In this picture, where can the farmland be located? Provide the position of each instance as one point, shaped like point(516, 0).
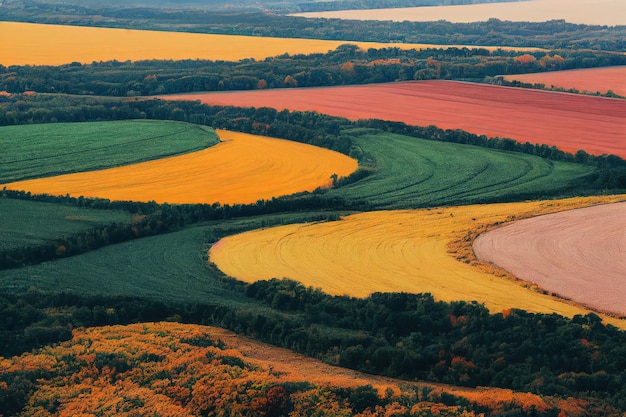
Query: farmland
point(242, 168)
point(44, 150)
point(611, 12)
point(591, 80)
point(37, 44)
point(411, 172)
point(392, 251)
point(570, 122)
point(569, 253)
point(25, 223)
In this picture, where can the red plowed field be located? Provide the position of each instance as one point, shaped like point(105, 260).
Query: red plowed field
point(568, 121)
point(578, 254)
point(589, 79)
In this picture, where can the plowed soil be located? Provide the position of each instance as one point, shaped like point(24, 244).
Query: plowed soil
point(578, 254)
point(568, 121)
point(589, 79)
point(393, 251)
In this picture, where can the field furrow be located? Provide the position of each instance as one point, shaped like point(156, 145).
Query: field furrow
point(393, 251)
point(243, 168)
point(578, 254)
point(569, 121)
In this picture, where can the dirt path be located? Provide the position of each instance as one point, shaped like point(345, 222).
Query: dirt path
point(578, 254)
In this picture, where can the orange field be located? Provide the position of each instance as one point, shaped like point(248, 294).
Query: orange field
point(568, 121)
point(243, 168)
point(590, 12)
point(36, 44)
point(590, 80)
point(414, 251)
point(568, 253)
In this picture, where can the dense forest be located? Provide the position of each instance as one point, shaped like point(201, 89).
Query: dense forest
point(556, 34)
point(400, 335)
point(345, 65)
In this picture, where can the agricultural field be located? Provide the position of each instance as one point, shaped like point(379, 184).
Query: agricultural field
point(568, 121)
point(589, 12)
point(412, 251)
point(411, 172)
point(26, 223)
point(44, 150)
point(569, 253)
point(592, 80)
point(242, 168)
point(169, 267)
point(38, 44)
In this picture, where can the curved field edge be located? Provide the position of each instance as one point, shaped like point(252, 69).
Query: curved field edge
point(570, 122)
point(408, 172)
point(182, 369)
point(577, 254)
point(242, 168)
point(416, 251)
point(49, 149)
point(40, 44)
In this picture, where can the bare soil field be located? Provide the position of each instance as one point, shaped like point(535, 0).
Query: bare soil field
point(414, 251)
point(38, 44)
point(243, 168)
point(589, 12)
point(578, 254)
point(568, 121)
point(591, 80)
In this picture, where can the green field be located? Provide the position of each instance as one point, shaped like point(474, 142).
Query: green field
point(27, 223)
point(411, 172)
point(42, 150)
point(169, 267)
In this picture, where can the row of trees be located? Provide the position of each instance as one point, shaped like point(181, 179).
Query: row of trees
point(397, 334)
point(345, 65)
point(555, 34)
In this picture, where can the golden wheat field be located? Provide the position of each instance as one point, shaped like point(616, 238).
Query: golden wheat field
point(413, 251)
point(38, 44)
point(242, 168)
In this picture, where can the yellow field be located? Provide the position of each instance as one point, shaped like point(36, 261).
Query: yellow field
point(37, 44)
point(243, 168)
point(412, 251)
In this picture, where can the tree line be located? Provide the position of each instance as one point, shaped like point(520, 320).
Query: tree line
point(555, 34)
point(345, 65)
point(395, 334)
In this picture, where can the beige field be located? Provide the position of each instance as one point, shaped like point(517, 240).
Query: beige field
point(415, 251)
point(569, 253)
point(590, 12)
point(37, 44)
point(243, 168)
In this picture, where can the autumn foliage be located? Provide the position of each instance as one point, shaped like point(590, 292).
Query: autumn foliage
point(171, 369)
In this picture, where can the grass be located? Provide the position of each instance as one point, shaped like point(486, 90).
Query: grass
point(26, 223)
point(43, 150)
point(242, 168)
point(169, 267)
point(413, 172)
